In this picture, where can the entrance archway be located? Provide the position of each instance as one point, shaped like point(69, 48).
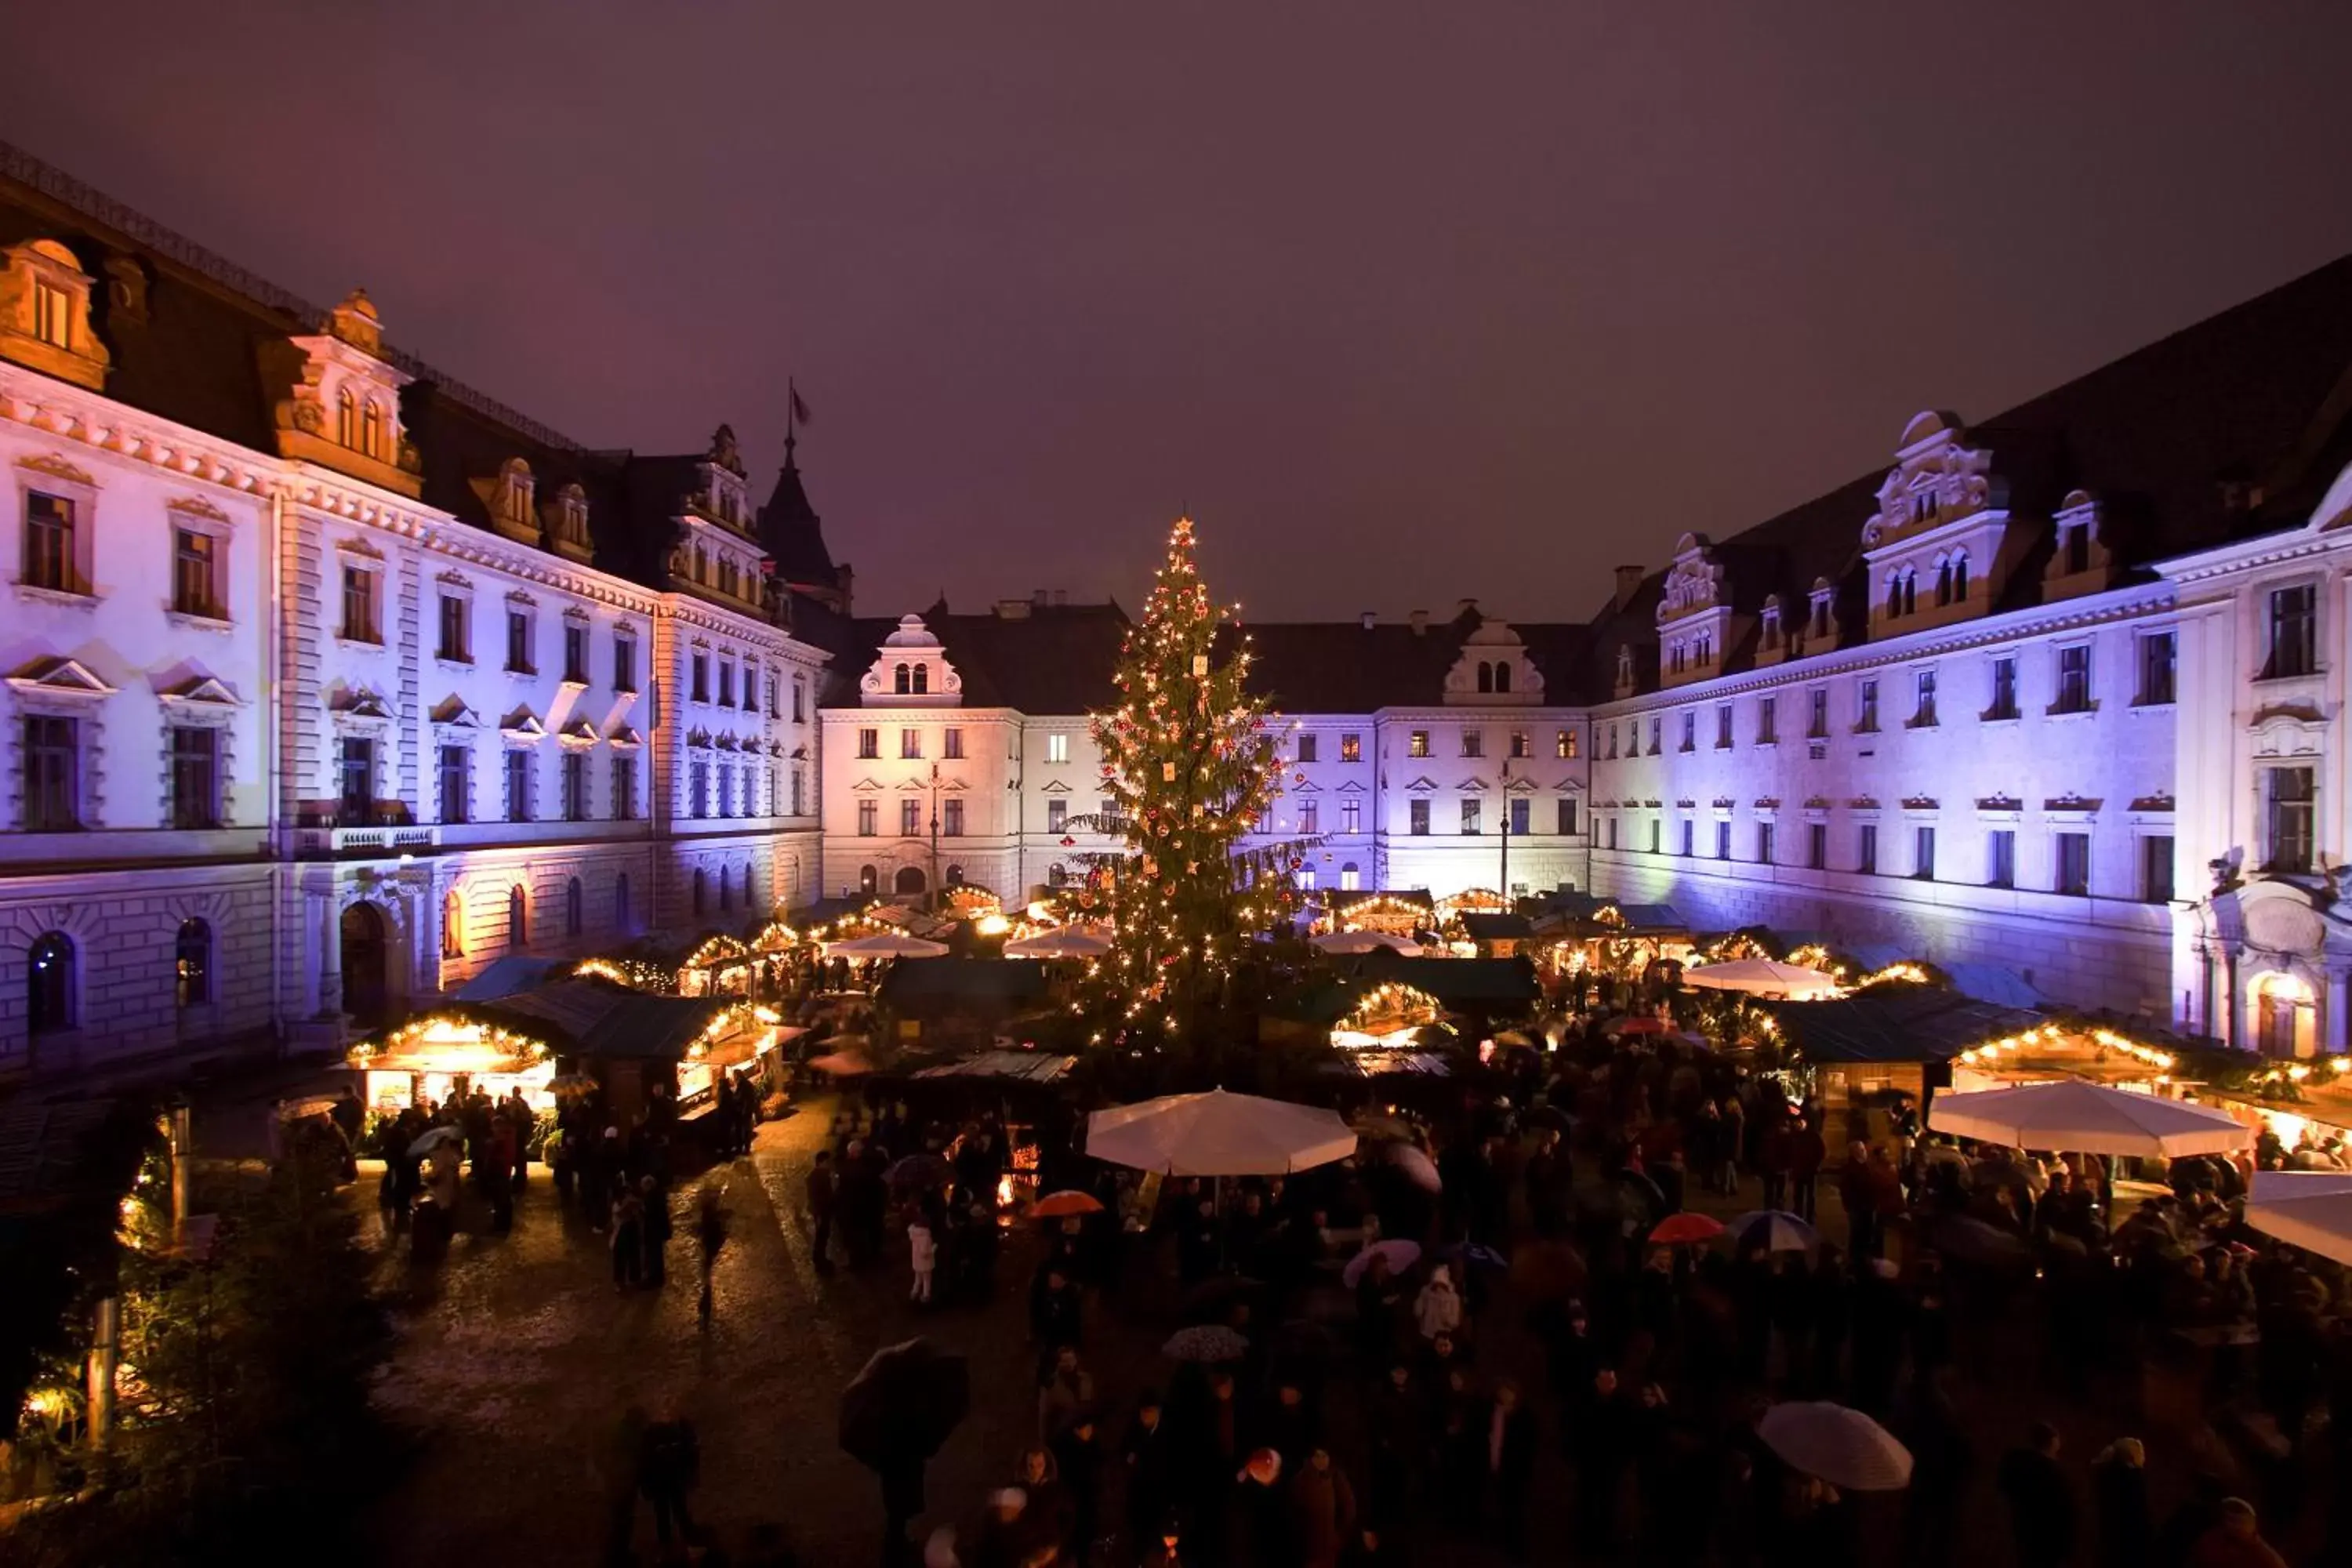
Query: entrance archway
point(909, 880)
point(367, 951)
point(2285, 1021)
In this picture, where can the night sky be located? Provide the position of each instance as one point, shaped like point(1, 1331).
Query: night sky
point(1407, 302)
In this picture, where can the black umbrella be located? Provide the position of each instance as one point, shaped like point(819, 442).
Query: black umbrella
point(905, 1403)
point(917, 1173)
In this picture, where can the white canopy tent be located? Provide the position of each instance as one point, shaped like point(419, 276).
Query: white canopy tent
point(1218, 1134)
point(887, 944)
point(1765, 978)
point(2079, 1118)
point(1345, 942)
point(1062, 942)
point(2311, 1209)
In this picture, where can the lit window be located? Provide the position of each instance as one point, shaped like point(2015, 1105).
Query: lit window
point(1351, 748)
point(1057, 747)
point(1563, 744)
point(869, 814)
point(910, 743)
point(869, 744)
point(1417, 743)
point(195, 574)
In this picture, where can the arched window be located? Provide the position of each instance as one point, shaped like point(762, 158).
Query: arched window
point(574, 908)
point(1486, 676)
point(49, 985)
point(922, 679)
point(347, 421)
point(869, 880)
point(1306, 878)
point(751, 889)
point(518, 921)
point(955, 876)
point(622, 920)
point(192, 967)
point(1058, 876)
point(372, 429)
point(1350, 879)
point(726, 889)
point(902, 679)
point(1895, 593)
point(1960, 577)
point(453, 925)
point(1944, 582)
point(1502, 675)
point(701, 889)
point(909, 880)
point(1910, 590)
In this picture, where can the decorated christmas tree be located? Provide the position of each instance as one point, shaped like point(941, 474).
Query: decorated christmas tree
point(1191, 773)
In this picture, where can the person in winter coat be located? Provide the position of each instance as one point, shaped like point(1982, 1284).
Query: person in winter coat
point(2041, 1502)
point(1149, 1457)
point(670, 1463)
point(1322, 1511)
point(1078, 1457)
point(923, 1253)
point(1511, 1467)
point(2235, 1542)
point(1438, 1308)
point(657, 1232)
point(2119, 1487)
point(1265, 1511)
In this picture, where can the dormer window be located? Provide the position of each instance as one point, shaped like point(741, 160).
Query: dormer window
point(1923, 505)
point(45, 319)
point(2075, 545)
point(1772, 625)
point(372, 441)
point(52, 315)
point(571, 516)
point(515, 486)
point(347, 420)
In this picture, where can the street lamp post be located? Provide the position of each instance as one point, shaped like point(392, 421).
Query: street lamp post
point(935, 836)
point(1505, 888)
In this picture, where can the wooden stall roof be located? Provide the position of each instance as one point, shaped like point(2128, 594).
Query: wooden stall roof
point(1025, 1067)
point(1457, 983)
point(1895, 1022)
point(972, 980)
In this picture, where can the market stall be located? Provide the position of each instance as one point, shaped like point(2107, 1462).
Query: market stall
point(721, 966)
point(457, 1050)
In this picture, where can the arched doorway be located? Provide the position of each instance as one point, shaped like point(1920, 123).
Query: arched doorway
point(868, 880)
point(2285, 1021)
point(909, 880)
point(367, 949)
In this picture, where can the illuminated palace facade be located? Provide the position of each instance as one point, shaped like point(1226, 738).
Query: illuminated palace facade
point(327, 681)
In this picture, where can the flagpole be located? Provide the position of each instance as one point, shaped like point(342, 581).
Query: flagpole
point(792, 411)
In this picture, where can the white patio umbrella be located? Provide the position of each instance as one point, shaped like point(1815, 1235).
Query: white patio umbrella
point(1842, 1446)
point(887, 944)
point(2311, 1209)
point(1218, 1134)
point(2079, 1118)
point(1765, 978)
point(1062, 942)
point(1356, 942)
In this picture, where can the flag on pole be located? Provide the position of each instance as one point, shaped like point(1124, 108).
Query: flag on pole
point(799, 409)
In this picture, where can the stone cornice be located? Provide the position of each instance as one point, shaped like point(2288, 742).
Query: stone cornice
point(2248, 555)
point(67, 412)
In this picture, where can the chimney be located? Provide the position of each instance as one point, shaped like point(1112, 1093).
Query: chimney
point(1037, 595)
point(1420, 619)
point(1464, 608)
point(1370, 620)
point(1061, 596)
point(1629, 582)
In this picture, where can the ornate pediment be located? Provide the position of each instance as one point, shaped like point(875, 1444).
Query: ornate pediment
point(523, 725)
point(578, 732)
point(45, 319)
point(359, 702)
point(1694, 583)
point(1493, 669)
point(1421, 787)
point(911, 670)
point(199, 692)
point(454, 713)
point(625, 739)
point(338, 400)
point(1936, 479)
point(2288, 730)
point(59, 678)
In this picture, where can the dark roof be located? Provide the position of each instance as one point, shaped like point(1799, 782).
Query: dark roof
point(962, 980)
point(793, 535)
point(1568, 908)
point(1894, 1023)
point(2232, 426)
point(1497, 927)
point(1456, 981)
point(1040, 659)
point(47, 1151)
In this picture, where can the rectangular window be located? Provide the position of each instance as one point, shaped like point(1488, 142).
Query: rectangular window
point(1057, 814)
point(698, 789)
point(868, 814)
point(800, 793)
point(1522, 747)
point(49, 560)
point(1612, 742)
point(2004, 689)
point(1417, 743)
point(1521, 808)
point(1690, 730)
point(624, 789)
point(519, 802)
point(1817, 714)
point(1767, 727)
point(196, 776)
point(1655, 829)
point(800, 700)
point(910, 819)
point(1613, 833)
point(1690, 833)
point(53, 770)
point(1723, 841)
point(455, 620)
point(456, 770)
point(1817, 845)
point(951, 819)
point(1865, 708)
point(1310, 817)
point(1417, 817)
point(910, 744)
point(1351, 816)
point(2156, 868)
point(1764, 844)
point(1865, 850)
point(359, 605)
point(52, 315)
point(519, 642)
point(951, 744)
point(1306, 748)
point(1566, 812)
point(1351, 748)
point(2074, 680)
point(698, 678)
point(625, 662)
point(1474, 743)
point(1923, 854)
point(1657, 730)
point(195, 574)
point(2294, 631)
point(1723, 727)
point(727, 683)
point(2157, 661)
point(575, 787)
point(2074, 871)
point(774, 712)
point(869, 744)
point(356, 784)
point(1057, 747)
point(1923, 705)
point(2001, 858)
point(2289, 795)
point(575, 653)
point(1469, 816)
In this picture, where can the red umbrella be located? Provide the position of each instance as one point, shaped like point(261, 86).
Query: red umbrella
point(1055, 1206)
point(1679, 1229)
point(1640, 1026)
